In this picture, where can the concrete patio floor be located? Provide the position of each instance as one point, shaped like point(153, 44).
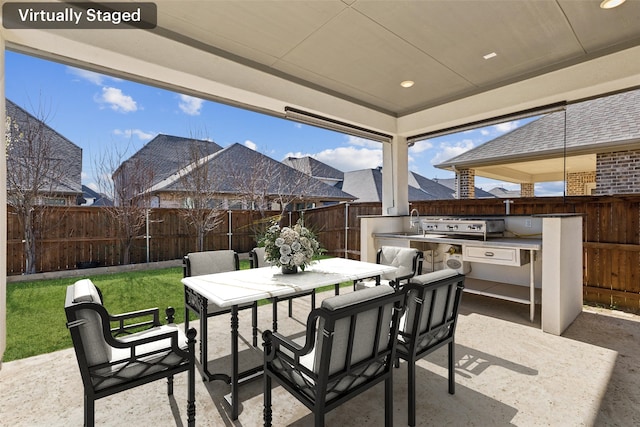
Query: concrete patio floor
point(508, 373)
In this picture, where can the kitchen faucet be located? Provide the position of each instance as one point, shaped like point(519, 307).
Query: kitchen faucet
point(416, 222)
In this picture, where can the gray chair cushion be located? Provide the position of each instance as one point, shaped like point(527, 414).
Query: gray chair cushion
point(402, 258)
point(211, 262)
point(126, 370)
point(96, 349)
point(441, 304)
point(85, 291)
point(341, 301)
point(365, 328)
point(260, 253)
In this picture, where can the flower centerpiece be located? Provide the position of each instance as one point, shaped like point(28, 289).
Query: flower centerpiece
point(290, 247)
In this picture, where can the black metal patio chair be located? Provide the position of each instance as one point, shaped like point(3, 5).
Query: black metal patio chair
point(429, 322)
point(407, 260)
point(351, 349)
point(112, 360)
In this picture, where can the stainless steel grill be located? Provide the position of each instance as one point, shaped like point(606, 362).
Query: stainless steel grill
point(480, 227)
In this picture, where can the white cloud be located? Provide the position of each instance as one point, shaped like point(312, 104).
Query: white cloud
point(90, 76)
point(554, 188)
point(250, 144)
point(362, 142)
point(93, 186)
point(128, 133)
point(421, 146)
point(506, 127)
point(449, 150)
point(117, 100)
point(190, 105)
point(347, 158)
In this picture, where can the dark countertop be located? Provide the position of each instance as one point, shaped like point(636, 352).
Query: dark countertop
point(492, 242)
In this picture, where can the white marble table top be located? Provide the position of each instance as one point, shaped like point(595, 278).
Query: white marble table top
point(242, 286)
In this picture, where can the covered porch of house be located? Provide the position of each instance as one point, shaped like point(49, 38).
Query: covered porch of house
point(339, 65)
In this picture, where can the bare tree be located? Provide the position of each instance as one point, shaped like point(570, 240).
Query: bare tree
point(202, 208)
point(127, 184)
point(265, 184)
point(35, 171)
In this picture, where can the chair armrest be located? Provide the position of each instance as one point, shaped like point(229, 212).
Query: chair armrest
point(171, 335)
point(273, 340)
point(127, 329)
point(282, 341)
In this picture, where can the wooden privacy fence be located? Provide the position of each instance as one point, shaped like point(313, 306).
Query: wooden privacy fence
point(85, 236)
point(611, 236)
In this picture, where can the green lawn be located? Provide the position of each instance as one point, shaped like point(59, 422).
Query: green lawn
point(35, 310)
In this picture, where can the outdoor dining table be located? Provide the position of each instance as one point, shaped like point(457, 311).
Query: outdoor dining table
point(230, 289)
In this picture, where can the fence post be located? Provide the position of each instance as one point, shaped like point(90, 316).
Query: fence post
point(346, 230)
point(230, 232)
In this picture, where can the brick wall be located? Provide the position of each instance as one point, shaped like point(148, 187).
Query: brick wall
point(527, 189)
point(618, 172)
point(577, 183)
point(467, 179)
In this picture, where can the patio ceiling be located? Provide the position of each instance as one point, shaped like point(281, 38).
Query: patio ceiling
point(543, 170)
point(345, 59)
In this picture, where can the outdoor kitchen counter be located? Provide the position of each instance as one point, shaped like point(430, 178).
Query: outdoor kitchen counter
point(540, 261)
point(491, 242)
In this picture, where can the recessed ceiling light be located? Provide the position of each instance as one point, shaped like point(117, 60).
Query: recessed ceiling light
point(407, 83)
point(610, 4)
point(490, 55)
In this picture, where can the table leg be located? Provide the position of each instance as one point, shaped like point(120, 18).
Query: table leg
point(199, 304)
point(234, 362)
point(532, 285)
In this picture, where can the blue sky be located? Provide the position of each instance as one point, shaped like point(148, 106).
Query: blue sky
point(99, 112)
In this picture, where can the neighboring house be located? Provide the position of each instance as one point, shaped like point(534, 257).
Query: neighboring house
point(596, 150)
point(93, 198)
point(53, 172)
point(316, 168)
point(503, 193)
point(366, 185)
point(157, 161)
point(241, 178)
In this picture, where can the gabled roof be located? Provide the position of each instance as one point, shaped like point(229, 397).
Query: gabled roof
point(503, 192)
point(237, 165)
point(366, 185)
point(315, 168)
point(451, 184)
point(165, 154)
point(591, 126)
point(68, 154)
point(98, 199)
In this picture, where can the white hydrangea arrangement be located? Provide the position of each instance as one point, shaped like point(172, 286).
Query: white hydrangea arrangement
point(295, 246)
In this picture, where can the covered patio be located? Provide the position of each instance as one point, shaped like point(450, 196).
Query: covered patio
point(507, 373)
point(339, 64)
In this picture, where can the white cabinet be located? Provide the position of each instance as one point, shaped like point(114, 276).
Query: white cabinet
point(503, 256)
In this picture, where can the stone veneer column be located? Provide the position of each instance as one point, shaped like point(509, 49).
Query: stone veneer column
point(466, 184)
point(527, 189)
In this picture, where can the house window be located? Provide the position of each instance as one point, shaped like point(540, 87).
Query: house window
point(51, 201)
